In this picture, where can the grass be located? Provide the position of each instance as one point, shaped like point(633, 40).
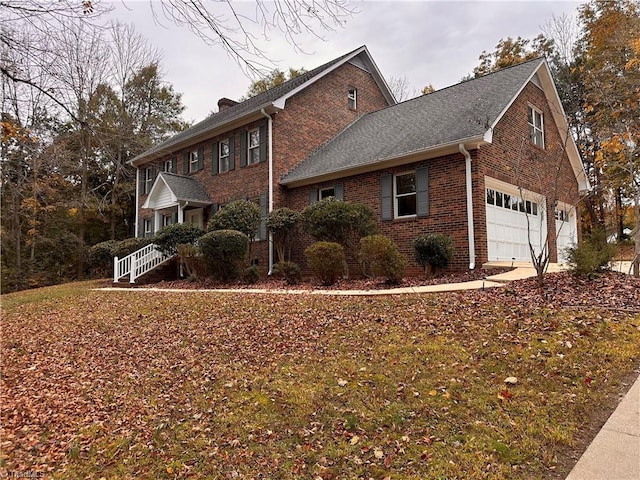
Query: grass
point(201, 385)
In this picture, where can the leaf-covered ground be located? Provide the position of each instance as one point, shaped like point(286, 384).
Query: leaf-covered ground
point(202, 385)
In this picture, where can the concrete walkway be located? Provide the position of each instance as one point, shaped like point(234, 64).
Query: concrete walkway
point(614, 453)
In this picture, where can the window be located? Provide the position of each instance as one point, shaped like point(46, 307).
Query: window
point(147, 227)
point(327, 192)
point(352, 98)
point(253, 146)
point(194, 161)
point(405, 194)
point(536, 127)
point(167, 220)
point(169, 165)
point(511, 202)
point(223, 156)
point(148, 179)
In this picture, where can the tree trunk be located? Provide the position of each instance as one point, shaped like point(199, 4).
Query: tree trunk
point(619, 215)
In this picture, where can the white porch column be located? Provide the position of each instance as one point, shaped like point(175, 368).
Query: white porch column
point(156, 221)
point(180, 214)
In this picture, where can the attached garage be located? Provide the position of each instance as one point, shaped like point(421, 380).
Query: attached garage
point(508, 231)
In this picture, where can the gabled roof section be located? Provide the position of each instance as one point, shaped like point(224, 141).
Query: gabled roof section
point(169, 189)
point(465, 112)
point(273, 99)
point(430, 125)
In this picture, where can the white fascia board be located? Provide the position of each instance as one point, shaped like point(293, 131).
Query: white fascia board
point(157, 186)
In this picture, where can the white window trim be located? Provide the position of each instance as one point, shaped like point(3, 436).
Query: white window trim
point(322, 190)
point(352, 98)
point(193, 161)
point(148, 179)
point(533, 125)
point(146, 227)
point(168, 165)
point(396, 195)
point(250, 148)
point(221, 157)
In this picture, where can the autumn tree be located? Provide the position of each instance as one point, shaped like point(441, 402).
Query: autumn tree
point(272, 79)
point(610, 49)
point(510, 52)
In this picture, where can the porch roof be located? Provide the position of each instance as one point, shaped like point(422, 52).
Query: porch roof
point(170, 188)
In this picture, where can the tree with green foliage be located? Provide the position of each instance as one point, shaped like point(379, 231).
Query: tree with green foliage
point(272, 79)
point(282, 223)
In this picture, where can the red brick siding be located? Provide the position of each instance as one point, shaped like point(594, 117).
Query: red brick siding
point(512, 158)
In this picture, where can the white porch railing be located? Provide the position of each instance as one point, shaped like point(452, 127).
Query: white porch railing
point(138, 263)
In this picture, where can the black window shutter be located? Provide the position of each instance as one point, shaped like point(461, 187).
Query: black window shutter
point(214, 209)
point(174, 217)
point(422, 192)
point(232, 153)
point(141, 181)
point(243, 149)
point(262, 234)
point(185, 164)
point(263, 143)
point(154, 174)
point(338, 191)
point(153, 228)
point(313, 196)
point(214, 158)
point(174, 165)
point(200, 158)
point(386, 196)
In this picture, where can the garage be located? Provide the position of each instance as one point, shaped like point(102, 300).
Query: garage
point(507, 227)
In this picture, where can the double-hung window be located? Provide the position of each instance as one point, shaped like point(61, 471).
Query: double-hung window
point(352, 98)
point(536, 127)
point(223, 155)
point(327, 192)
point(405, 194)
point(193, 161)
point(148, 179)
point(253, 146)
point(147, 226)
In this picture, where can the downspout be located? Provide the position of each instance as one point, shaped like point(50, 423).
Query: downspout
point(135, 227)
point(270, 209)
point(470, 233)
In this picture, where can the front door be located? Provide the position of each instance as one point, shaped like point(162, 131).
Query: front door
point(194, 217)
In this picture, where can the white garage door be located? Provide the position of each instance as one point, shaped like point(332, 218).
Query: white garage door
point(566, 229)
point(508, 233)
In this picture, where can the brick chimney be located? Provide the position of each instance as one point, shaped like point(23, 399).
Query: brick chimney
point(225, 103)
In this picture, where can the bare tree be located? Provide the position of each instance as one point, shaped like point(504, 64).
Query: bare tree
point(402, 89)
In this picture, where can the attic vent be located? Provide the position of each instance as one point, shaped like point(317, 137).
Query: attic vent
point(225, 103)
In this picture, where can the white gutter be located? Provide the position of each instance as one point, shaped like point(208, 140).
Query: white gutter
point(270, 154)
point(470, 233)
point(135, 230)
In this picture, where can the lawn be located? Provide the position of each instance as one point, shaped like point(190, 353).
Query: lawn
point(137, 384)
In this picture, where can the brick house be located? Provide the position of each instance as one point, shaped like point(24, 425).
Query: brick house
point(477, 160)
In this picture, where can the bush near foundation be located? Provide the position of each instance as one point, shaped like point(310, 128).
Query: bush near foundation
point(224, 252)
point(169, 237)
point(379, 257)
point(326, 260)
point(433, 251)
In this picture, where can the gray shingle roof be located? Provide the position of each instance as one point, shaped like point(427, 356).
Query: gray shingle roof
point(186, 188)
point(250, 105)
point(463, 111)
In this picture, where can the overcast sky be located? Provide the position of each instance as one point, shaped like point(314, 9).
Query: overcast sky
point(429, 42)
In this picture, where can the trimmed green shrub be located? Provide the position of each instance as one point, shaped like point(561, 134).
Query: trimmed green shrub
point(169, 237)
point(290, 271)
point(282, 223)
point(224, 252)
point(100, 258)
point(130, 245)
point(379, 257)
point(193, 263)
point(326, 260)
point(240, 215)
point(332, 220)
point(592, 255)
point(433, 251)
point(251, 274)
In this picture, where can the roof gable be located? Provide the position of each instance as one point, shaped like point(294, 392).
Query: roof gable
point(273, 99)
point(170, 189)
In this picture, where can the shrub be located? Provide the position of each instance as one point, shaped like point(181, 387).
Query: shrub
point(379, 257)
point(326, 260)
point(192, 261)
point(592, 255)
point(433, 251)
point(130, 245)
point(169, 237)
point(332, 220)
point(224, 252)
point(251, 274)
point(290, 271)
point(100, 258)
point(240, 215)
point(282, 223)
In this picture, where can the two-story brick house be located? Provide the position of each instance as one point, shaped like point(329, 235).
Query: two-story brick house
point(488, 161)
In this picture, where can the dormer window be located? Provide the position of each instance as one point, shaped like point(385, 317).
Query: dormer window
point(536, 127)
point(352, 98)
